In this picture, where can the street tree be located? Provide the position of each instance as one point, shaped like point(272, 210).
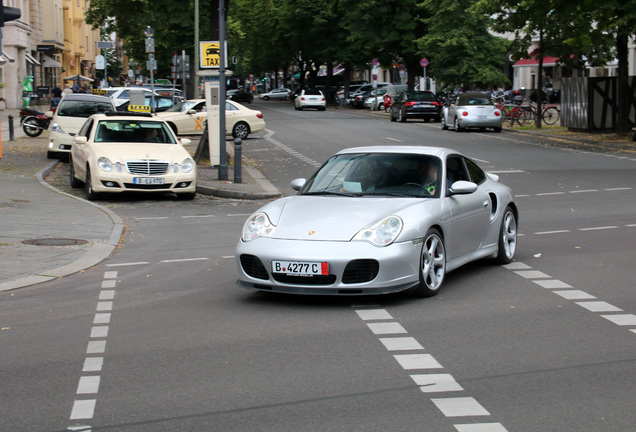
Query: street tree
point(564, 29)
point(388, 30)
point(460, 49)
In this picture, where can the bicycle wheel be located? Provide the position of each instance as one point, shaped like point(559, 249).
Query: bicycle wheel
point(526, 116)
point(550, 115)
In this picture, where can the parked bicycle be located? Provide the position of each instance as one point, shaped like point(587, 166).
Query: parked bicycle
point(550, 114)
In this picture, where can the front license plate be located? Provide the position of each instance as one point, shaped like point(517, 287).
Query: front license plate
point(148, 180)
point(300, 268)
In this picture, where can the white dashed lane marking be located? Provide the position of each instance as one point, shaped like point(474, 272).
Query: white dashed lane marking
point(593, 305)
point(430, 378)
point(89, 381)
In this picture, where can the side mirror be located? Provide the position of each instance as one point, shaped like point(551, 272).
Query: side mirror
point(192, 111)
point(298, 183)
point(80, 140)
point(462, 187)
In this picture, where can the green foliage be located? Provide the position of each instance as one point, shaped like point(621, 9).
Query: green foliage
point(269, 35)
point(459, 47)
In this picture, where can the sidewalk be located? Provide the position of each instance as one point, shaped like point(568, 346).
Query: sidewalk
point(47, 234)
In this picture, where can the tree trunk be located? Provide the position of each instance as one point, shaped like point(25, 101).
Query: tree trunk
point(624, 94)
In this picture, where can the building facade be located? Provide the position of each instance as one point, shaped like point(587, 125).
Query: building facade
point(51, 41)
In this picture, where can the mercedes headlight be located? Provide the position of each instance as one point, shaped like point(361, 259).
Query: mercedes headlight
point(105, 164)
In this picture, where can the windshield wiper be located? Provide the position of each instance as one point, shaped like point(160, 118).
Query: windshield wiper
point(347, 194)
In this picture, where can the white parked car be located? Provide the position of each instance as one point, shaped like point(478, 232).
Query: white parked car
point(131, 152)
point(310, 98)
point(472, 110)
point(122, 95)
point(70, 116)
point(189, 118)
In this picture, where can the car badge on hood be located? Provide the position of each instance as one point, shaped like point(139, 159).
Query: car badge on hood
point(312, 232)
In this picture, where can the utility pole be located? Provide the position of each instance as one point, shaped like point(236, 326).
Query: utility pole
point(152, 63)
point(223, 156)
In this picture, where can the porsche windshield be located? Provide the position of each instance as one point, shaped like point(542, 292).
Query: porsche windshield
point(381, 174)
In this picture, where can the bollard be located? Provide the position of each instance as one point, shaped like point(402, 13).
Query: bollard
point(237, 160)
point(11, 134)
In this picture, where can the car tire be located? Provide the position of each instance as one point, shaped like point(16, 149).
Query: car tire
point(432, 264)
point(189, 196)
point(507, 244)
point(75, 182)
point(497, 129)
point(265, 98)
point(240, 130)
point(51, 155)
point(251, 99)
point(456, 125)
point(91, 195)
point(444, 125)
point(402, 116)
point(393, 118)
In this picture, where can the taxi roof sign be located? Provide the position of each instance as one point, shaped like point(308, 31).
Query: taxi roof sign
point(99, 91)
point(139, 108)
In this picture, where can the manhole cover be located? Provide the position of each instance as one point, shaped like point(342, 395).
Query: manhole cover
point(55, 242)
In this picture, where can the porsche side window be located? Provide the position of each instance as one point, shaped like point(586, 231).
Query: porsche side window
point(455, 170)
point(477, 175)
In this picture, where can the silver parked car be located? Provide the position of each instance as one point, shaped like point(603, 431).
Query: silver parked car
point(376, 220)
point(277, 93)
point(472, 110)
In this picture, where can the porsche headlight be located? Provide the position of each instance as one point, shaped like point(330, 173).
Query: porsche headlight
point(257, 226)
point(105, 164)
point(383, 233)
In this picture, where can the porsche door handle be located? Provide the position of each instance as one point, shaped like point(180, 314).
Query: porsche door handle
point(486, 203)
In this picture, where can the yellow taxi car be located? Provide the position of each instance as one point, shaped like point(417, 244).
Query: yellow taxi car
point(131, 152)
point(189, 117)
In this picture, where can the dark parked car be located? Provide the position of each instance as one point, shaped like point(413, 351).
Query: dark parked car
point(416, 104)
point(240, 95)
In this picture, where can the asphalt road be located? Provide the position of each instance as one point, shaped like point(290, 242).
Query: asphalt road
point(159, 338)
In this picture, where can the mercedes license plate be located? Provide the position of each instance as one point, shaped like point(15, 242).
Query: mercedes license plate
point(299, 268)
point(148, 180)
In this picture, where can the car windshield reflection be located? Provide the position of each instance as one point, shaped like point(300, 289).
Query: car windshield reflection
point(117, 131)
point(393, 175)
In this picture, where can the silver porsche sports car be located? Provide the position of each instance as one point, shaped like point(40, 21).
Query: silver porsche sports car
point(377, 220)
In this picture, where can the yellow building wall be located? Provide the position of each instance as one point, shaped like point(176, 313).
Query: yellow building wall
point(80, 41)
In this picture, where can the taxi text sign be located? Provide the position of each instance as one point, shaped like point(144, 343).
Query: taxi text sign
point(210, 54)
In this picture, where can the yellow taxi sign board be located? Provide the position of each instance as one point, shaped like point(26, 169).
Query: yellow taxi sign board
point(99, 91)
point(139, 108)
point(210, 55)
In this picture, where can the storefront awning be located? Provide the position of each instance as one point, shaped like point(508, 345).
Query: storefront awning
point(8, 57)
point(49, 62)
point(31, 60)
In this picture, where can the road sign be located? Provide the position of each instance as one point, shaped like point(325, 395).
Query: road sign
point(210, 54)
point(424, 62)
point(100, 62)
